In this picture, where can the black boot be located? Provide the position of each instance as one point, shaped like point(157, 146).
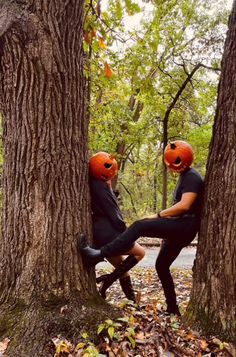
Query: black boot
point(90, 256)
point(102, 278)
point(109, 279)
point(126, 286)
point(173, 310)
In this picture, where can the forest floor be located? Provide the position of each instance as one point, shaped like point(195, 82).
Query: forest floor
point(144, 330)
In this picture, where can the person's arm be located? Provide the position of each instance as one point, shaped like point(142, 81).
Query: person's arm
point(181, 207)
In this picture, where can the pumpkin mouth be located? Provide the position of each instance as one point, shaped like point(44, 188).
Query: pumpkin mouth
point(177, 161)
point(107, 165)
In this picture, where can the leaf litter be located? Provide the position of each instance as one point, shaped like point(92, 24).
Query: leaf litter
point(143, 329)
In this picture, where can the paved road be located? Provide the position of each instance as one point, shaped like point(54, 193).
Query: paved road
point(184, 260)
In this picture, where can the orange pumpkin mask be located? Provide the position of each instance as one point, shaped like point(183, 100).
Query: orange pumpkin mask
point(103, 166)
point(178, 155)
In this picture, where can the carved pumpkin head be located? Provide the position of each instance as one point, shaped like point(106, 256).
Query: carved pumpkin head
point(178, 155)
point(103, 166)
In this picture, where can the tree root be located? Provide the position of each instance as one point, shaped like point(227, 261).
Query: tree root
point(32, 328)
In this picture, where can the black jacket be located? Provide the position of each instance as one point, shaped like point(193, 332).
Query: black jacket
point(107, 217)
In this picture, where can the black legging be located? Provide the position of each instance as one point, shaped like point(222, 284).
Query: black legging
point(177, 233)
point(168, 253)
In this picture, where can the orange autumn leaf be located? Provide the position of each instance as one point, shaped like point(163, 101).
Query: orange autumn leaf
point(204, 345)
point(140, 335)
point(89, 35)
point(107, 70)
point(93, 33)
point(101, 43)
point(190, 336)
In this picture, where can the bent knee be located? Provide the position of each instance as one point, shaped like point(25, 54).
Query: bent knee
point(139, 252)
point(140, 256)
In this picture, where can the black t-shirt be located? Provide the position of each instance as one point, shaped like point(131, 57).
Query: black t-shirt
point(190, 181)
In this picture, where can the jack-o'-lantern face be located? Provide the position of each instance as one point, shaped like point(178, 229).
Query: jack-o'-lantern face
point(103, 166)
point(178, 155)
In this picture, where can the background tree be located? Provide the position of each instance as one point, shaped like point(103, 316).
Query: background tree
point(163, 86)
point(213, 297)
point(45, 199)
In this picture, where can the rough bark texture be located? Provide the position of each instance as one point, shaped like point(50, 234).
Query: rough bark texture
point(213, 300)
point(45, 146)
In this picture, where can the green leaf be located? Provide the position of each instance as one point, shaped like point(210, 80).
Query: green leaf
point(132, 319)
point(132, 341)
point(132, 7)
point(131, 331)
point(123, 319)
point(85, 335)
point(119, 12)
point(62, 347)
point(80, 345)
point(109, 322)
point(175, 325)
point(100, 328)
point(223, 345)
point(111, 331)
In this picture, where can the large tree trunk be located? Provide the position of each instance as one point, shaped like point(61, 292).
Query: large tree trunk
point(214, 290)
point(45, 173)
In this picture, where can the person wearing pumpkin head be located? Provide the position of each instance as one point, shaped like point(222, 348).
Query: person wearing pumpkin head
point(108, 223)
point(176, 225)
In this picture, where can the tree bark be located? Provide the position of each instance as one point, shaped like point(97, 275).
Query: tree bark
point(213, 295)
point(45, 199)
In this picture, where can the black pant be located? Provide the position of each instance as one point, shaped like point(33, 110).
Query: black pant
point(177, 233)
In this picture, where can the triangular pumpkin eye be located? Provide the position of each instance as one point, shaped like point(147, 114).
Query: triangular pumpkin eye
point(177, 160)
point(107, 165)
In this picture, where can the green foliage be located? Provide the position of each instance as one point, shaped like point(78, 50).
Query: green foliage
point(122, 328)
point(109, 327)
point(87, 347)
point(150, 63)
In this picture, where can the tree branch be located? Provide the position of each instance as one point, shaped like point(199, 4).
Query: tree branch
point(216, 69)
point(180, 91)
point(131, 198)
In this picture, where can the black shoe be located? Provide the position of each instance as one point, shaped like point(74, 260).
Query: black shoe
point(90, 256)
